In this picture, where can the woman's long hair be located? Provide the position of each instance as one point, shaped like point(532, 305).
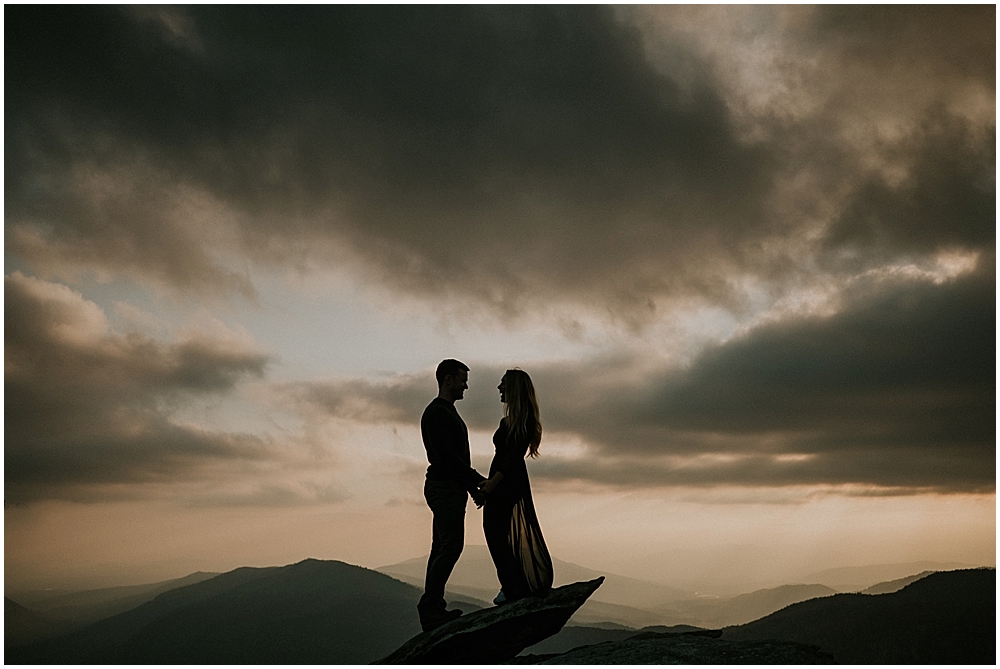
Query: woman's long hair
point(520, 407)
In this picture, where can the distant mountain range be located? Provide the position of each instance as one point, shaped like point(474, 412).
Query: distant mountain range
point(77, 609)
point(943, 618)
point(329, 612)
point(894, 586)
point(625, 602)
point(311, 612)
point(716, 613)
point(856, 579)
point(22, 625)
point(621, 600)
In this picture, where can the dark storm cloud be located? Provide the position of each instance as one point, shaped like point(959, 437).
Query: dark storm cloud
point(948, 200)
point(915, 86)
point(527, 150)
point(896, 391)
point(511, 155)
point(85, 408)
point(526, 157)
point(881, 473)
point(956, 42)
point(505, 145)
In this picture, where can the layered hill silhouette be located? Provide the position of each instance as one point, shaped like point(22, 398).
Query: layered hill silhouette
point(856, 579)
point(696, 614)
point(621, 600)
point(334, 613)
point(310, 612)
point(744, 608)
point(944, 618)
point(76, 609)
point(894, 585)
point(22, 625)
point(475, 569)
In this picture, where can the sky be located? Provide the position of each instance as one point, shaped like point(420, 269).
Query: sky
point(746, 253)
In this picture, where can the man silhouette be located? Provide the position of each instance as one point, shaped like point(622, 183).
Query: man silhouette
point(450, 481)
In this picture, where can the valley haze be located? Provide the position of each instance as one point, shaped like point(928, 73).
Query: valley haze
point(746, 253)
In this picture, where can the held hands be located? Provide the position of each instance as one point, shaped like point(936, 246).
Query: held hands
point(484, 488)
point(490, 484)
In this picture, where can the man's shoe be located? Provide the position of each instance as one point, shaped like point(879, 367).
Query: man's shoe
point(500, 599)
point(433, 621)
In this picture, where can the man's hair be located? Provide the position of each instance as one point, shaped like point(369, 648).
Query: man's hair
point(449, 367)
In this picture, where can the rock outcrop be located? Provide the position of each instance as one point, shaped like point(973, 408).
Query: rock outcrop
point(498, 634)
point(687, 648)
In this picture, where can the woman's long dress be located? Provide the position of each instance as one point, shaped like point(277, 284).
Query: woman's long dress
point(513, 534)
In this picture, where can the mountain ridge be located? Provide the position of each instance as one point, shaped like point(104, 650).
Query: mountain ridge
point(285, 615)
point(304, 613)
point(943, 618)
point(22, 625)
point(856, 578)
point(886, 587)
point(81, 607)
point(750, 606)
point(475, 568)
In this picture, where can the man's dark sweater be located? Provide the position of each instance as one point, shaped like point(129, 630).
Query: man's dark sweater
point(446, 439)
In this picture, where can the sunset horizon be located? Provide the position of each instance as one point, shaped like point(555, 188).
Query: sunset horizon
point(746, 253)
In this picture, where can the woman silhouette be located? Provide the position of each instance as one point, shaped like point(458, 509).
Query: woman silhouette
point(513, 535)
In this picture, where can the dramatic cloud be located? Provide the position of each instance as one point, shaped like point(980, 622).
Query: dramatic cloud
point(510, 156)
point(825, 175)
point(270, 495)
point(746, 252)
point(394, 401)
point(85, 407)
point(894, 391)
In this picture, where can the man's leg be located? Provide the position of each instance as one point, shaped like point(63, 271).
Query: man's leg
point(447, 503)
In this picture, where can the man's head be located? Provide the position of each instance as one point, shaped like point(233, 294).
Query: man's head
point(453, 379)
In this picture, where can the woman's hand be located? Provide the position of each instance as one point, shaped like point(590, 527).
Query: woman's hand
point(490, 484)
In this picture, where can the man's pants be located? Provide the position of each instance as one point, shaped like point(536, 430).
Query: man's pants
point(447, 502)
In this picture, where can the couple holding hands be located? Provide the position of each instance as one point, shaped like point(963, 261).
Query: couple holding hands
point(513, 535)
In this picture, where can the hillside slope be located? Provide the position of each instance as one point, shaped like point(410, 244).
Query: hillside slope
point(894, 586)
point(22, 625)
point(753, 605)
point(945, 618)
point(311, 612)
point(855, 579)
point(83, 607)
point(720, 612)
